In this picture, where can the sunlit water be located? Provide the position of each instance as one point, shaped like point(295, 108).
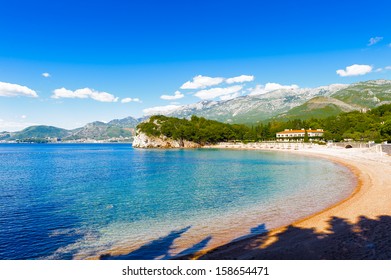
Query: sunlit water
point(68, 201)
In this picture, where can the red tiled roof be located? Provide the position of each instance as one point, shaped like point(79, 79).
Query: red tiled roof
point(300, 131)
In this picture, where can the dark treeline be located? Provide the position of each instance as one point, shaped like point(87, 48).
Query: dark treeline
point(374, 125)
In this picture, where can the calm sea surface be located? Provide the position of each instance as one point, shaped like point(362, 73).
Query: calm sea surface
point(67, 201)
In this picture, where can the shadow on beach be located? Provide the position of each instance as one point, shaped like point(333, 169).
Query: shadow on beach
point(366, 239)
point(160, 248)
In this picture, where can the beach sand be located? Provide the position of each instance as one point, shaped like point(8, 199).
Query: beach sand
point(359, 227)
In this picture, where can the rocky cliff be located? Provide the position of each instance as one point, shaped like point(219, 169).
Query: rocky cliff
point(141, 140)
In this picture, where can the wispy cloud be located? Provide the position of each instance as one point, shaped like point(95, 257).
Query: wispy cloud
point(84, 93)
point(12, 90)
point(177, 95)
point(202, 82)
point(129, 99)
point(217, 92)
point(229, 96)
point(14, 125)
point(268, 87)
point(46, 75)
point(160, 110)
point(374, 40)
point(355, 70)
point(240, 79)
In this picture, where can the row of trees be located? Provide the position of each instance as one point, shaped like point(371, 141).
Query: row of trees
point(375, 125)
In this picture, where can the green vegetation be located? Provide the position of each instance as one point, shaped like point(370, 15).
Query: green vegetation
point(318, 107)
point(198, 130)
point(374, 125)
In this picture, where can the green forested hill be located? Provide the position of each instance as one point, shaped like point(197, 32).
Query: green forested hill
point(41, 131)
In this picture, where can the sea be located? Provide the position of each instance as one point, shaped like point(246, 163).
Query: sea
point(111, 201)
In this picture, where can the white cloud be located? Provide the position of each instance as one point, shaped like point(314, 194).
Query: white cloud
point(230, 96)
point(84, 93)
point(160, 110)
point(262, 89)
point(23, 116)
point(177, 95)
point(216, 92)
point(374, 40)
point(12, 90)
point(387, 67)
point(13, 126)
point(128, 99)
point(46, 75)
point(355, 70)
point(240, 79)
point(202, 82)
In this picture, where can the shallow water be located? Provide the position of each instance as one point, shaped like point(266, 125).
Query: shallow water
point(68, 201)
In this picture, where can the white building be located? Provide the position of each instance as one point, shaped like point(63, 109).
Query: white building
point(298, 135)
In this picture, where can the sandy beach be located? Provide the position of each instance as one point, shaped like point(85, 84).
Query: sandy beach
point(356, 228)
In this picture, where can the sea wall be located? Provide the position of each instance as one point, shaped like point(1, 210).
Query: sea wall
point(141, 140)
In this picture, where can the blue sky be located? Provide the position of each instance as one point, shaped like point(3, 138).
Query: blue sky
point(113, 59)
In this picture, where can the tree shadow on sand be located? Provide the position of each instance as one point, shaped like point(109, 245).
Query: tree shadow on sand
point(160, 248)
point(366, 239)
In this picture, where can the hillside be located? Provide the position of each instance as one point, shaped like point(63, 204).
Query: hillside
point(318, 107)
point(41, 131)
point(368, 94)
point(100, 131)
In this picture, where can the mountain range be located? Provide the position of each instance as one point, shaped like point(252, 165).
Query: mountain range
point(281, 104)
point(118, 129)
point(292, 103)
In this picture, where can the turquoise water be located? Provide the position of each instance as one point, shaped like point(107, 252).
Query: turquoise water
point(69, 201)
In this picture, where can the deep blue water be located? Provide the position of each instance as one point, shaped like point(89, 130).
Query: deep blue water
point(77, 200)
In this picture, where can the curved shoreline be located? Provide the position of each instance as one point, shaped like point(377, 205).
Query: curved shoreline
point(241, 231)
point(365, 201)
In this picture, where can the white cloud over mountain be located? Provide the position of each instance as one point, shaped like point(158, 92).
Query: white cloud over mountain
point(229, 96)
point(160, 110)
point(202, 82)
point(217, 92)
point(84, 93)
point(177, 95)
point(6, 125)
point(268, 87)
point(129, 99)
point(355, 70)
point(240, 79)
point(12, 90)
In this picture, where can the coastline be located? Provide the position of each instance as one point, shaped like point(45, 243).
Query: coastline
point(369, 201)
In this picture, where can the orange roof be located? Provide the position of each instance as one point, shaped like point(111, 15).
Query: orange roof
point(299, 131)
